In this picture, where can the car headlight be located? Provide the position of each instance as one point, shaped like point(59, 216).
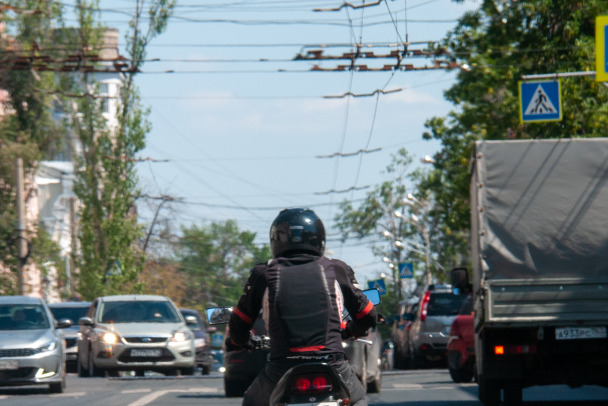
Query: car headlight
point(180, 336)
point(48, 347)
point(199, 342)
point(109, 338)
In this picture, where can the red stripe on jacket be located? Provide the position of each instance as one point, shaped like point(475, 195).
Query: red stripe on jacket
point(365, 311)
point(307, 349)
point(243, 316)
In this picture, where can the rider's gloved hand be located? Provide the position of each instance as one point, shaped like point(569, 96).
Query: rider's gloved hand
point(346, 333)
point(351, 331)
point(230, 345)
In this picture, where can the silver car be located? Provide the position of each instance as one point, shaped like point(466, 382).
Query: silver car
point(134, 333)
point(32, 350)
point(430, 327)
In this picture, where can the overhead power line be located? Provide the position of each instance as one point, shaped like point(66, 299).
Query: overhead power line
point(341, 154)
point(346, 4)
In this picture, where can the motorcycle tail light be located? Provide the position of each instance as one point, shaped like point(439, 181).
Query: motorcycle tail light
point(302, 384)
point(312, 383)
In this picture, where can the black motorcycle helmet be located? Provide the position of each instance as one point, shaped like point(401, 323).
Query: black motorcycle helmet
point(297, 230)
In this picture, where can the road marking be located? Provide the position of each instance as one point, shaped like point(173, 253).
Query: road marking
point(137, 391)
point(155, 395)
point(68, 395)
point(415, 386)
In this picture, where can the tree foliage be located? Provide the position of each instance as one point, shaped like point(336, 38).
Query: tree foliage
point(216, 260)
point(27, 127)
point(384, 219)
point(106, 182)
point(496, 45)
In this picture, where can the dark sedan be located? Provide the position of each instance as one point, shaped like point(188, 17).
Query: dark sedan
point(70, 312)
point(202, 340)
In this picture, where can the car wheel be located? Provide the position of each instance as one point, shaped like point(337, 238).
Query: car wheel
point(205, 370)
point(461, 375)
point(58, 387)
point(363, 377)
point(417, 360)
point(234, 388)
point(140, 373)
point(93, 370)
point(187, 371)
point(375, 385)
point(82, 371)
point(113, 374)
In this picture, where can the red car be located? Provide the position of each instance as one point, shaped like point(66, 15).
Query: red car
point(461, 344)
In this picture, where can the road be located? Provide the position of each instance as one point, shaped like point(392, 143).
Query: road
point(412, 388)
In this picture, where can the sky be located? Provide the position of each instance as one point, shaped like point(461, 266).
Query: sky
point(241, 130)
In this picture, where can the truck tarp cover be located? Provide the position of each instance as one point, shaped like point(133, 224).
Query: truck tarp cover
point(543, 208)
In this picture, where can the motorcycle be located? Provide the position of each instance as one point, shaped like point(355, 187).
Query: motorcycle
point(307, 384)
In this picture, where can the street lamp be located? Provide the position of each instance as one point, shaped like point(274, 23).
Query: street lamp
point(427, 159)
point(427, 245)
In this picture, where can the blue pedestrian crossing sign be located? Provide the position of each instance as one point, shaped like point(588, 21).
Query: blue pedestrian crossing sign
point(540, 101)
point(217, 340)
point(377, 284)
point(406, 270)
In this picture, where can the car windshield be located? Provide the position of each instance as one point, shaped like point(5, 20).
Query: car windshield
point(444, 304)
point(23, 317)
point(71, 313)
point(138, 312)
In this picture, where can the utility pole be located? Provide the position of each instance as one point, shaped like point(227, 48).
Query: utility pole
point(21, 238)
point(73, 246)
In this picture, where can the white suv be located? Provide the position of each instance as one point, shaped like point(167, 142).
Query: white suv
point(134, 332)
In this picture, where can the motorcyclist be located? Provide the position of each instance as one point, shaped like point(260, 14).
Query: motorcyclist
point(302, 294)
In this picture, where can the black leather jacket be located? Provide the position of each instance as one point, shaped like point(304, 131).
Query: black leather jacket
point(302, 298)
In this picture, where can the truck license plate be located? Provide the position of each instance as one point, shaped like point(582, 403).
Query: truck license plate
point(146, 353)
point(9, 364)
point(578, 333)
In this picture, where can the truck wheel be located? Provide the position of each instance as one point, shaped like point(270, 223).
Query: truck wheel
point(489, 391)
point(513, 394)
point(461, 375)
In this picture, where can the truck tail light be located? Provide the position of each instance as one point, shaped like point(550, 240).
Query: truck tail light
point(425, 305)
point(514, 349)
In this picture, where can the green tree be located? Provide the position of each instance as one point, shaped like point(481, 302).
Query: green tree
point(217, 259)
point(106, 182)
point(27, 128)
point(384, 218)
point(495, 45)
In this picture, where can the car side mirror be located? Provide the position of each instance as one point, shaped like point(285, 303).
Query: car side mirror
point(459, 278)
point(191, 320)
point(64, 323)
point(218, 315)
point(85, 321)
